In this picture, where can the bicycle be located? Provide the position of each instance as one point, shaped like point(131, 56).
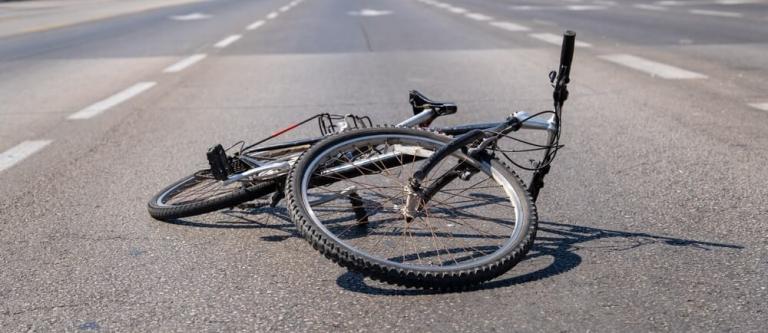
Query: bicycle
point(403, 204)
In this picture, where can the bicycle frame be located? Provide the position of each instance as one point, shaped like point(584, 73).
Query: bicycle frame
point(487, 133)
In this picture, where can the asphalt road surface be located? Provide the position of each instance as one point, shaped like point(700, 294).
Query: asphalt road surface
point(653, 218)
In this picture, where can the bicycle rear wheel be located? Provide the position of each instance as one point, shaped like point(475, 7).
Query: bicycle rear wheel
point(201, 193)
point(347, 193)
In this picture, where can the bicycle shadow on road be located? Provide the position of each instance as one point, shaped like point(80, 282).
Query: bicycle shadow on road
point(559, 241)
point(265, 218)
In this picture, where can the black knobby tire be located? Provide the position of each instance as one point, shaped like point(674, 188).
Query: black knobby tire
point(380, 269)
point(164, 212)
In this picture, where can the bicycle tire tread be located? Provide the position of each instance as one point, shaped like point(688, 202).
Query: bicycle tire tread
point(452, 280)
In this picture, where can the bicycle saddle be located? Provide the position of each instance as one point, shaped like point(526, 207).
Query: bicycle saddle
point(420, 102)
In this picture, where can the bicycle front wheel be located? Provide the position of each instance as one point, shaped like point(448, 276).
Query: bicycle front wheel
point(347, 195)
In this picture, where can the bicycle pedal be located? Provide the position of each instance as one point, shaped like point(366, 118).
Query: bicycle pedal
point(219, 163)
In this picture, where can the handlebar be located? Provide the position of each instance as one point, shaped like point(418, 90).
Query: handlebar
point(566, 57)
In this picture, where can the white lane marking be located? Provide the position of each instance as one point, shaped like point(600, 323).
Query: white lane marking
point(104, 105)
point(651, 67)
point(21, 151)
point(714, 13)
point(370, 12)
point(760, 106)
point(585, 7)
point(442, 5)
point(478, 16)
point(649, 7)
point(255, 25)
point(525, 7)
point(285, 8)
point(509, 26)
point(190, 17)
point(736, 2)
point(272, 15)
point(184, 63)
point(227, 41)
point(457, 10)
point(673, 3)
point(557, 39)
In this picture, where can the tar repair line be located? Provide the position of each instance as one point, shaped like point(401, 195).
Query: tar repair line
point(227, 41)
point(184, 63)
point(104, 105)
point(651, 67)
point(21, 151)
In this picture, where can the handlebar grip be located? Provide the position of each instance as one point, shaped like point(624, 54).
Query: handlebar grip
point(566, 55)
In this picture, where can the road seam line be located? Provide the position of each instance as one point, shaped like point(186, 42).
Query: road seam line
point(556, 39)
point(652, 67)
point(21, 151)
point(255, 25)
point(509, 26)
point(227, 41)
point(105, 104)
point(184, 63)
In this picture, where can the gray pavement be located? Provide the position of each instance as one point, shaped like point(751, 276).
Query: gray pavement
point(653, 218)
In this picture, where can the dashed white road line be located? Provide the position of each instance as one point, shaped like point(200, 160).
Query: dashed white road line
point(557, 39)
point(457, 10)
point(714, 13)
point(651, 67)
point(184, 63)
point(285, 8)
point(760, 106)
point(585, 7)
point(509, 26)
point(227, 41)
point(255, 25)
point(104, 105)
point(478, 17)
point(21, 151)
point(649, 7)
point(272, 15)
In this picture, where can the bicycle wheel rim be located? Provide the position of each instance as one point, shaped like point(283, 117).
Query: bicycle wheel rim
point(198, 187)
point(513, 239)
